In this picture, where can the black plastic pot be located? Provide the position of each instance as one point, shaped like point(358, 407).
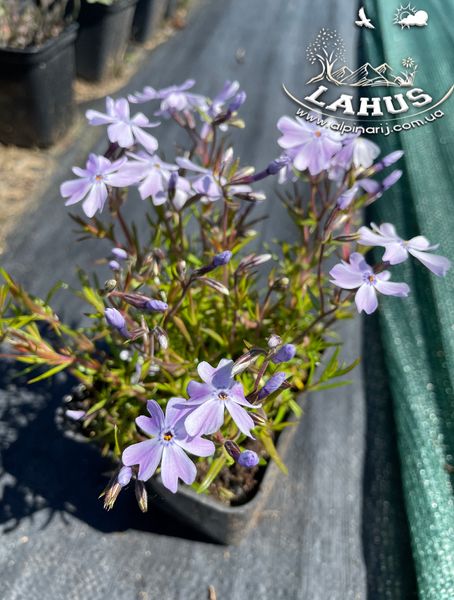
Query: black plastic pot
point(172, 6)
point(223, 524)
point(103, 38)
point(147, 19)
point(36, 96)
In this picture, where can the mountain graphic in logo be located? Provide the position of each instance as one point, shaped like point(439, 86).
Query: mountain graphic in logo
point(328, 49)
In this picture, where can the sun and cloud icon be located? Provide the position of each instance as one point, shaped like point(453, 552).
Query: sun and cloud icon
point(408, 16)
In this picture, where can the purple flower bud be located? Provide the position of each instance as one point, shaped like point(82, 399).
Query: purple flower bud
point(248, 459)
point(392, 158)
point(388, 160)
point(76, 415)
point(114, 265)
point(232, 449)
point(345, 199)
point(119, 253)
point(143, 302)
point(276, 165)
point(156, 305)
point(273, 384)
point(222, 258)
point(392, 179)
point(115, 319)
point(124, 476)
point(284, 354)
point(238, 101)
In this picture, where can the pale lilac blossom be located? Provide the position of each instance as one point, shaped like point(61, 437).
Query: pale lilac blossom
point(357, 274)
point(174, 98)
point(116, 320)
point(150, 173)
point(167, 447)
point(121, 127)
point(91, 187)
point(347, 197)
point(272, 385)
point(119, 253)
point(313, 146)
point(397, 249)
point(219, 391)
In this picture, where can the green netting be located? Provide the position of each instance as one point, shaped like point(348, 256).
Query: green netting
point(418, 333)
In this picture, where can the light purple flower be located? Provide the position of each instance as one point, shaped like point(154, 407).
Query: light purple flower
point(122, 128)
point(150, 172)
point(397, 249)
point(175, 98)
point(314, 146)
point(91, 187)
point(114, 265)
point(248, 459)
point(208, 185)
point(218, 104)
point(357, 151)
point(391, 180)
point(284, 354)
point(388, 160)
point(116, 320)
point(209, 399)
point(168, 446)
point(358, 274)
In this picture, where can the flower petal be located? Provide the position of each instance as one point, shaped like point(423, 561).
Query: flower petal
point(145, 454)
point(222, 377)
point(197, 445)
point(435, 263)
point(392, 288)
point(366, 299)
point(205, 371)
point(95, 199)
point(206, 418)
point(395, 253)
point(176, 464)
point(121, 133)
point(241, 418)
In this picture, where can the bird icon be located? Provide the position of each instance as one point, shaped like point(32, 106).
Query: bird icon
point(364, 21)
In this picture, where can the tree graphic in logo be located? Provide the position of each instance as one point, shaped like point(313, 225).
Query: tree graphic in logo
point(327, 48)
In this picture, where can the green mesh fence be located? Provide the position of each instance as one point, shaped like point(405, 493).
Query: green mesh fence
point(418, 333)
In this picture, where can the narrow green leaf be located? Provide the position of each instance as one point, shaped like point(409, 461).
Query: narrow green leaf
point(50, 372)
point(213, 472)
point(271, 449)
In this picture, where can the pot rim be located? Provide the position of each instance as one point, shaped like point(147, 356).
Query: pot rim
point(37, 53)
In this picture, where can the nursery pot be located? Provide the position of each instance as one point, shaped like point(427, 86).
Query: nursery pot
point(103, 38)
point(221, 523)
point(172, 6)
point(36, 96)
point(147, 19)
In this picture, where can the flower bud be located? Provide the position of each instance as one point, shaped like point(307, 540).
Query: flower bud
point(259, 419)
point(222, 258)
point(392, 179)
point(124, 476)
point(141, 495)
point(232, 449)
point(119, 253)
point(162, 337)
point(114, 265)
point(274, 341)
point(272, 385)
point(284, 354)
point(110, 285)
point(248, 459)
point(115, 319)
point(143, 302)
